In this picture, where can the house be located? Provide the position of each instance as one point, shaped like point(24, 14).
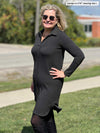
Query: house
point(91, 25)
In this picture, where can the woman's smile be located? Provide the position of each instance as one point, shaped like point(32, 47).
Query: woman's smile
point(48, 23)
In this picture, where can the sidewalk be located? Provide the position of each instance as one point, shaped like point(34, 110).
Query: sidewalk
point(24, 95)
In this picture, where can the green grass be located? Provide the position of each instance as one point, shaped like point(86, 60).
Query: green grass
point(15, 84)
point(80, 114)
point(84, 73)
point(26, 82)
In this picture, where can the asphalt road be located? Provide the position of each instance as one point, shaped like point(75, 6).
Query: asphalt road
point(16, 57)
point(20, 56)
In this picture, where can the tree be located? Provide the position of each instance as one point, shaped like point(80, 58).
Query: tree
point(18, 25)
point(12, 29)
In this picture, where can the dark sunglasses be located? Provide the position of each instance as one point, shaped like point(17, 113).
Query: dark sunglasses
point(50, 17)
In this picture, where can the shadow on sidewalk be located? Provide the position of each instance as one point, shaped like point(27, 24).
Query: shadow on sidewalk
point(27, 130)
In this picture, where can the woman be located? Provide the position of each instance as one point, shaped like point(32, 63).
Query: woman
point(48, 53)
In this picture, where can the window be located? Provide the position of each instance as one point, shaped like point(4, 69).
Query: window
point(88, 28)
point(85, 28)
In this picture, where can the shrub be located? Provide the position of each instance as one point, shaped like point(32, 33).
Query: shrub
point(81, 42)
point(88, 42)
point(94, 42)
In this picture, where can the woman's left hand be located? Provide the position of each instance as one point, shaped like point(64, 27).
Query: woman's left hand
point(57, 73)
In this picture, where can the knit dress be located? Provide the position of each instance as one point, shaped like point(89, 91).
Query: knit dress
point(47, 54)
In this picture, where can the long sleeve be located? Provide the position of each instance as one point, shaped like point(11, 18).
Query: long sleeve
point(75, 51)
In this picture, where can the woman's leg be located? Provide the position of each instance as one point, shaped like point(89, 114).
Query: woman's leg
point(50, 122)
point(44, 124)
point(38, 124)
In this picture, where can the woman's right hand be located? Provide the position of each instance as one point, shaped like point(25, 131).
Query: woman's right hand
point(32, 87)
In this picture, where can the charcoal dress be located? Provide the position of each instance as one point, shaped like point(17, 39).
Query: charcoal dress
point(47, 54)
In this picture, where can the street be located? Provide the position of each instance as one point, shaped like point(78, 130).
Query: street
point(18, 58)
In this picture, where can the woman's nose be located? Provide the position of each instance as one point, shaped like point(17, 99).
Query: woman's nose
point(48, 19)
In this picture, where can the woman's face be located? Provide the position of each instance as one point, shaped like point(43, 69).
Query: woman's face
point(49, 19)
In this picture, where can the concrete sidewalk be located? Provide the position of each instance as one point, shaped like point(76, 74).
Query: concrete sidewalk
point(24, 95)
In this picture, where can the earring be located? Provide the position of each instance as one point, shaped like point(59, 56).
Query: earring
point(59, 26)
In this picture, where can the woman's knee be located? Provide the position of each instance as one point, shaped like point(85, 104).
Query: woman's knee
point(38, 124)
point(35, 120)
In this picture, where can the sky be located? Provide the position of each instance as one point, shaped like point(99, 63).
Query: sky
point(87, 10)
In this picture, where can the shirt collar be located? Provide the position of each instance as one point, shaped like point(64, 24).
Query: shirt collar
point(53, 32)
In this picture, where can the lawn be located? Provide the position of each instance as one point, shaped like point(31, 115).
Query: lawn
point(85, 73)
point(26, 82)
point(17, 84)
point(80, 114)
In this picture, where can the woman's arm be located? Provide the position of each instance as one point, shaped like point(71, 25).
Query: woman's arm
point(68, 45)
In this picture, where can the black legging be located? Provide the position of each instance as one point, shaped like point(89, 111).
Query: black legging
point(44, 124)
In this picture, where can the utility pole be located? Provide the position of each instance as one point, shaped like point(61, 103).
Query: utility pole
point(19, 4)
point(37, 17)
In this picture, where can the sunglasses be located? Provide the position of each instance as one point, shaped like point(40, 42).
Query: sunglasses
point(50, 17)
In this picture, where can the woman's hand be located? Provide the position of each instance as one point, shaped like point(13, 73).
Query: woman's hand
point(32, 87)
point(57, 73)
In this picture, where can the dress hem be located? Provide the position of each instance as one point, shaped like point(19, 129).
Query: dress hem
point(55, 107)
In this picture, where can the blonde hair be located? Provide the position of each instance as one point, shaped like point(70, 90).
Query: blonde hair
point(59, 15)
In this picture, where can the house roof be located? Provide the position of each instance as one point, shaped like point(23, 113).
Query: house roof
point(88, 18)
